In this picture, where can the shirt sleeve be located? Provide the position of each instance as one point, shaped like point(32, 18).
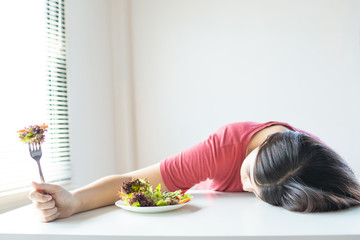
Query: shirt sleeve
point(218, 158)
point(191, 166)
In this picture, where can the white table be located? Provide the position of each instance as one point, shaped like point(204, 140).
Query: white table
point(210, 215)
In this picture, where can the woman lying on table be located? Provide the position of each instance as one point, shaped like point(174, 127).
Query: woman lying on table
point(280, 164)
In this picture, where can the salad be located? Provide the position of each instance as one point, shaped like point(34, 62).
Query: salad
point(33, 134)
point(139, 193)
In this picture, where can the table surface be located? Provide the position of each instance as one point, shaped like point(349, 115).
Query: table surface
point(209, 215)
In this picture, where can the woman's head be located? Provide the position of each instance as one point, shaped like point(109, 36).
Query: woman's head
point(299, 173)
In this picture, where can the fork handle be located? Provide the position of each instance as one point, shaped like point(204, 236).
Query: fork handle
point(40, 172)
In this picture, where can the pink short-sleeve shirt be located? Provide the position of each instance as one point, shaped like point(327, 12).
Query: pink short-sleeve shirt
point(215, 163)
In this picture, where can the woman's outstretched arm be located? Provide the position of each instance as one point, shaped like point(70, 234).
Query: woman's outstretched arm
point(60, 203)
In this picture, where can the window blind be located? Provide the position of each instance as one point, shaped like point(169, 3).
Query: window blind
point(34, 91)
point(58, 121)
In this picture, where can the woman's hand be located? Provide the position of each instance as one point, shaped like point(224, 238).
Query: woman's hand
point(60, 203)
point(57, 203)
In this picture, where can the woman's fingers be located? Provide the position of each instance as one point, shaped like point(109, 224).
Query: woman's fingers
point(49, 215)
point(49, 212)
point(45, 187)
point(36, 196)
point(45, 205)
point(52, 201)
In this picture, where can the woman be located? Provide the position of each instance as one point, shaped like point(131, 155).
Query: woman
point(280, 164)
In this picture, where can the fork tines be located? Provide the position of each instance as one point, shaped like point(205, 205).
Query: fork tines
point(34, 146)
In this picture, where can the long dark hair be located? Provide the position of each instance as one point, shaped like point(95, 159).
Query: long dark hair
point(299, 173)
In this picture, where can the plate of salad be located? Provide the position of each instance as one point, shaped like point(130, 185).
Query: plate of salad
point(138, 196)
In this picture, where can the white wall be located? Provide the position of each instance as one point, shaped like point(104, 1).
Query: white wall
point(91, 106)
point(199, 64)
point(159, 76)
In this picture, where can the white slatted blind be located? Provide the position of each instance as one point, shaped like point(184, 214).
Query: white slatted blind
point(58, 121)
point(33, 90)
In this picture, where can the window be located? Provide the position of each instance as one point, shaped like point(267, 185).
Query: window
point(33, 91)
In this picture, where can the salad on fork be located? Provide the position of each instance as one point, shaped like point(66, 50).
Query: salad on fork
point(34, 136)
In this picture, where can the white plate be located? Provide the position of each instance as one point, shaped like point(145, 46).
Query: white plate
point(157, 209)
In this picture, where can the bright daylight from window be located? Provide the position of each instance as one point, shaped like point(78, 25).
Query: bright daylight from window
point(27, 93)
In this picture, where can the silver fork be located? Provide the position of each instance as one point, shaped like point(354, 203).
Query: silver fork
point(36, 153)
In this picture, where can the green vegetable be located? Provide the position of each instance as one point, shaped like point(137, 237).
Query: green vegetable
point(139, 193)
point(33, 134)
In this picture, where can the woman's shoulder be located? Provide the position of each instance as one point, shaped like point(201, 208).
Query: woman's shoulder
point(252, 134)
point(239, 127)
point(244, 128)
point(235, 133)
point(236, 128)
point(244, 132)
